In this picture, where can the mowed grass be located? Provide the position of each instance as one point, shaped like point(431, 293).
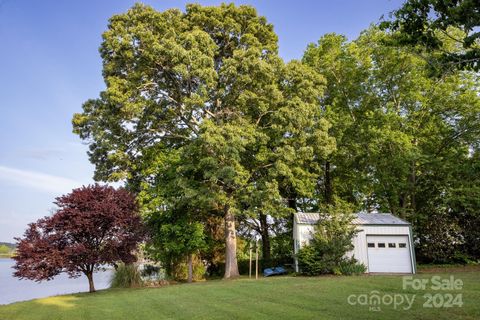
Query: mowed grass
point(270, 298)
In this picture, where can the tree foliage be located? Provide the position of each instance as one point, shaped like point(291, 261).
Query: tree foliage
point(175, 240)
point(203, 119)
point(206, 87)
point(93, 226)
point(405, 140)
point(431, 23)
point(4, 249)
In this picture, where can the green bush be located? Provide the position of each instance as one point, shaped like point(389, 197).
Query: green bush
point(332, 239)
point(461, 258)
point(316, 259)
point(126, 276)
point(349, 267)
point(179, 271)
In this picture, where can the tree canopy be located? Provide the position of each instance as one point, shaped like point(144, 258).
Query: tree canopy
point(435, 23)
point(402, 135)
point(214, 132)
point(206, 87)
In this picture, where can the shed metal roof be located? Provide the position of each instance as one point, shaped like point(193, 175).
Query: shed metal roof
point(361, 218)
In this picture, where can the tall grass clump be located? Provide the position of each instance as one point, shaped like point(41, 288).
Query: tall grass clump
point(126, 276)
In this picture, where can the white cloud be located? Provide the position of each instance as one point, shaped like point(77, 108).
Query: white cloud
point(37, 180)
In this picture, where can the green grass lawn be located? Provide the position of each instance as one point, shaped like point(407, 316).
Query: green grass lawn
point(271, 298)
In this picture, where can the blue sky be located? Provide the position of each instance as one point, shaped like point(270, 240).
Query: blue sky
point(49, 65)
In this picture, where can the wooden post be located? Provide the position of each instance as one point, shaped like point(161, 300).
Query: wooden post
point(190, 268)
point(256, 259)
point(250, 263)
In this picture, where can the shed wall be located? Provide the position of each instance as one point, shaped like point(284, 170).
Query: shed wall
point(302, 234)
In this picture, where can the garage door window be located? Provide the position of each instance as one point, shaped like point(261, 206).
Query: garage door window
point(402, 245)
point(381, 245)
point(392, 245)
point(371, 244)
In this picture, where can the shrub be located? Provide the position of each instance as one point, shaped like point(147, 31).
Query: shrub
point(126, 276)
point(180, 270)
point(312, 262)
point(330, 242)
point(350, 267)
point(461, 258)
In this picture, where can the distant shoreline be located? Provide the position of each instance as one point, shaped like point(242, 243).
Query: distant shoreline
point(7, 250)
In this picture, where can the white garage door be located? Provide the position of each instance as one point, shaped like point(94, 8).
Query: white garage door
point(389, 254)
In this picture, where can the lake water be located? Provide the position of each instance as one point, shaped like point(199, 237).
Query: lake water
point(13, 290)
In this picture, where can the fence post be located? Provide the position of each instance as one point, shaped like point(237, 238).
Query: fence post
point(256, 258)
point(250, 262)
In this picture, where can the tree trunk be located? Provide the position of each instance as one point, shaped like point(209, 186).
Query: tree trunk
point(231, 266)
point(292, 204)
point(392, 206)
point(402, 206)
point(265, 237)
point(328, 184)
point(90, 281)
point(190, 268)
point(413, 181)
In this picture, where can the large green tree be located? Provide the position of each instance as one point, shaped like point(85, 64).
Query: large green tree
point(204, 86)
point(403, 137)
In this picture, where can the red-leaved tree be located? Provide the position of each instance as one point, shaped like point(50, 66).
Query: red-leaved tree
point(93, 226)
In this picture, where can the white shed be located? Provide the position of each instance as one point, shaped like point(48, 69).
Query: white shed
point(383, 242)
